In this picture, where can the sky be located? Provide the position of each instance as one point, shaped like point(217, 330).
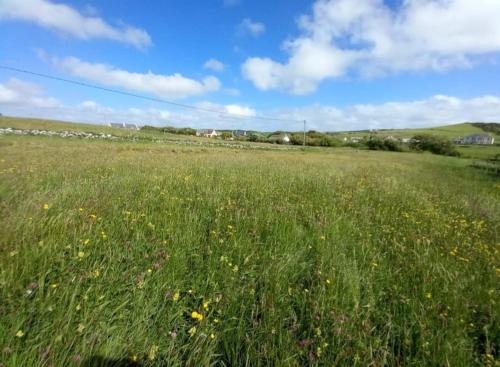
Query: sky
point(338, 64)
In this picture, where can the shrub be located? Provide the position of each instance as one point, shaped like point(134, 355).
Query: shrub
point(433, 144)
point(375, 143)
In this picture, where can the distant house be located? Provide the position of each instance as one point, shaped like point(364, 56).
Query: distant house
point(239, 133)
point(124, 126)
point(406, 140)
point(279, 138)
point(483, 139)
point(207, 133)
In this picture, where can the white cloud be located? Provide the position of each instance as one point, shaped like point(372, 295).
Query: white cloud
point(434, 111)
point(250, 27)
point(372, 39)
point(17, 92)
point(234, 109)
point(66, 20)
point(20, 98)
point(214, 64)
point(173, 86)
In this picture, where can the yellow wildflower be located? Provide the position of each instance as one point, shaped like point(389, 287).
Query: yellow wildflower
point(212, 336)
point(197, 316)
point(81, 254)
point(20, 334)
point(46, 206)
point(176, 296)
point(322, 238)
point(80, 328)
point(328, 281)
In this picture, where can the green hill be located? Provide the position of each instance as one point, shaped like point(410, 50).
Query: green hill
point(448, 131)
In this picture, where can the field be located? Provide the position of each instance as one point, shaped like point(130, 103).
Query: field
point(115, 253)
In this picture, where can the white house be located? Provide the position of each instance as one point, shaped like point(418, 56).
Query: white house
point(483, 139)
point(123, 125)
point(208, 133)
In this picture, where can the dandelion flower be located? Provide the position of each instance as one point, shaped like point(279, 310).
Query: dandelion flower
point(322, 238)
point(20, 334)
point(46, 206)
point(212, 336)
point(328, 281)
point(81, 254)
point(176, 296)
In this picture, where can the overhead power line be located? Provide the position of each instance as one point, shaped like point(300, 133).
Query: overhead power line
point(159, 100)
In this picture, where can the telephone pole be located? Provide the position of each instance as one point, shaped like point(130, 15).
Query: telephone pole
point(304, 142)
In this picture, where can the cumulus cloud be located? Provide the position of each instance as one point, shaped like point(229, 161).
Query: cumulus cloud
point(372, 39)
point(214, 65)
point(20, 98)
point(251, 28)
point(68, 21)
point(173, 86)
point(434, 111)
point(17, 92)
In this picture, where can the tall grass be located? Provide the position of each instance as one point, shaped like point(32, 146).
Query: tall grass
point(172, 256)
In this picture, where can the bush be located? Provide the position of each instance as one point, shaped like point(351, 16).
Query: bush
point(434, 144)
point(315, 139)
point(375, 143)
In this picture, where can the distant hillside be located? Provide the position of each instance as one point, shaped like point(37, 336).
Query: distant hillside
point(448, 131)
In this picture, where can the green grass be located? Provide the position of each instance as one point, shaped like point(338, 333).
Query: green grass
point(323, 257)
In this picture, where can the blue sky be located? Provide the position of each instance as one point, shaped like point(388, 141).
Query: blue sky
point(339, 64)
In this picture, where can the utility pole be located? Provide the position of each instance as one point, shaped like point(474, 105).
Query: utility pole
point(304, 142)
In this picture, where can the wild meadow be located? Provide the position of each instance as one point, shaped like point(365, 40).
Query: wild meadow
point(123, 253)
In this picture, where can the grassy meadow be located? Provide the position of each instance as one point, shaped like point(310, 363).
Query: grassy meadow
point(123, 253)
